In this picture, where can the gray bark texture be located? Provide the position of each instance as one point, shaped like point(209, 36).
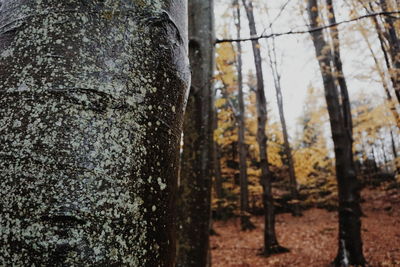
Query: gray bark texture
point(350, 243)
point(194, 205)
point(92, 98)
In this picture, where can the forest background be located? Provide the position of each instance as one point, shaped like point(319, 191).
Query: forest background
point(376, 135)
point(367, 64)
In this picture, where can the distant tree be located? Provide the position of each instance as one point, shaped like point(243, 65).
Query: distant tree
point(389, 99)
point(389, 41)
point(271, 244)
point(287, 148)
point(370, 129)
point(92, 97)
point(311, 153)
point(387, 52)
point(394, 44)
point(244, 191)
point(226, 134)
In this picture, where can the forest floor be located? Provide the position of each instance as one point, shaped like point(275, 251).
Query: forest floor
point(312, 238)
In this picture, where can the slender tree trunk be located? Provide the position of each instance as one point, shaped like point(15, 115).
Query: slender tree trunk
point(394, 151)
point(244, 192)
point(288, 151)
point(91, 107)
point(195, 183)
point(271, 244)
point(350, 243)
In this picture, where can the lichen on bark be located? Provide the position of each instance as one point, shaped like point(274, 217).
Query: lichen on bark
point(86, 90)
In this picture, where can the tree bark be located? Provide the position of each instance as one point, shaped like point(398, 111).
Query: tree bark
point(245, 222)
point(91, 107)
point(350, 243)
point(195, 181)
point(271, 244)
point(338, 68)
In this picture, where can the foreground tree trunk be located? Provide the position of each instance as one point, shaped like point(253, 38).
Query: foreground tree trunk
point(271, 244)
point(350, 244)
point(245, 222)
point(91, 107)
point(195, 180)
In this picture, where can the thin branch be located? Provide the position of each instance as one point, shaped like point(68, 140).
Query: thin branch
point(280, 13)
point(291, 32)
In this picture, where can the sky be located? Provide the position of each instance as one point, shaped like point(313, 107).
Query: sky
point(298, 65)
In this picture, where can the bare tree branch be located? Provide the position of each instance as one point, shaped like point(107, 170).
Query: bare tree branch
point(292, 32)
point(280, 13)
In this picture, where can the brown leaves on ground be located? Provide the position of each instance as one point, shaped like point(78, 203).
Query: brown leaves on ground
point(312, 239)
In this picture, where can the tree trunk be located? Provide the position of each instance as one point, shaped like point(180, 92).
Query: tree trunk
point(195, 180)
point(245, 222)
point(287, 149)
point(350, 243)
point(271, 244)
point(338, 68)
point(91, 107)
point(394, 151)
